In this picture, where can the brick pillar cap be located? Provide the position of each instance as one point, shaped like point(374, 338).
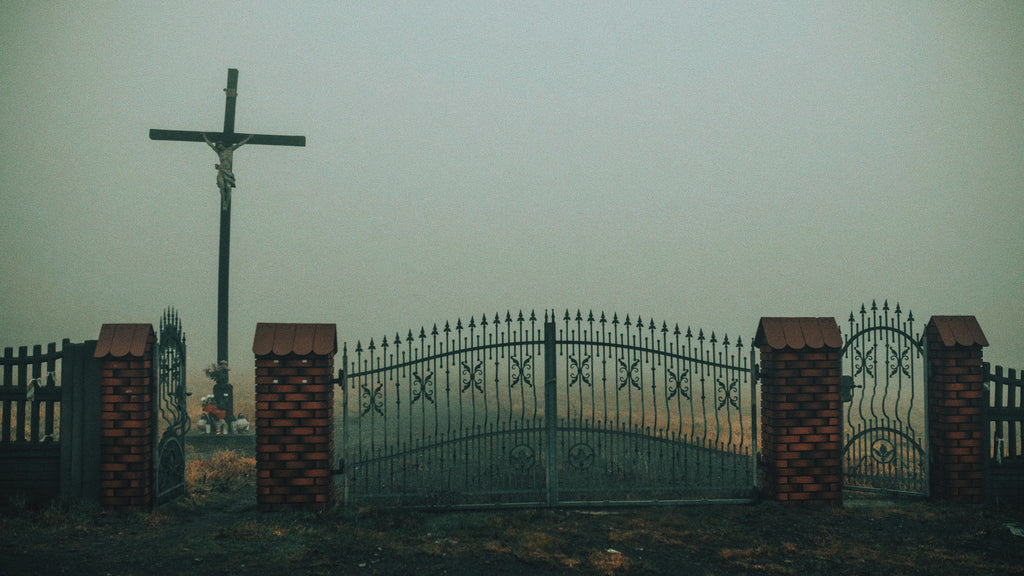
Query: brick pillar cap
point(300, 339)
point(798, 333)
point(120, 340)
point(958, 330)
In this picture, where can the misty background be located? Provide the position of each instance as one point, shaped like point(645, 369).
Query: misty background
point(705, 164)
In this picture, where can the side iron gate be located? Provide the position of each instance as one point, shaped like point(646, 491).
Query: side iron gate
point(513, 412)
point(169, 410)
point(883, 387)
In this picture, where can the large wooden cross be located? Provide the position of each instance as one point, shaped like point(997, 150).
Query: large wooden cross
point(224, 144)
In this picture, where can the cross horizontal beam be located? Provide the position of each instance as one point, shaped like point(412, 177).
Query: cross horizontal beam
point(226, 139)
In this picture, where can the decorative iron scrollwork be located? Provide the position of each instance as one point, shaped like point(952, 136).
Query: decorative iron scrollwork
point(864, 360)
point(579, 371)
point(629, 374)
point(679, 384)
point(423, 387)
point(171, 409)
point(900, 360)
point(521, 458)
point(581, 456)
point(372, 399)
point(522, 371)
point(883, 451)
point(728, 393)
point(473, 377)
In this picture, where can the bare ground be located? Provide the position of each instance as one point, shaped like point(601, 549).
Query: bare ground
point(217, 530)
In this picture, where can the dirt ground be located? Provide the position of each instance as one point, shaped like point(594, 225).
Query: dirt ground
point(219, 531)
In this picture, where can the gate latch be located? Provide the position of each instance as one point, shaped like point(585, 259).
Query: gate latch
point(846, 387)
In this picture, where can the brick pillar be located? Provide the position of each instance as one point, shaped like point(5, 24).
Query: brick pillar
point(801, 415)
point(125, 353)
point(294, 415)
point(956, 404)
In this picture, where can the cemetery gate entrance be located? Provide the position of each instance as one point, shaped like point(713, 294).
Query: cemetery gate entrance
point(884, 404)
point(519, 411)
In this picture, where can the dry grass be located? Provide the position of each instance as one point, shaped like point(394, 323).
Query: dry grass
point(223, 471)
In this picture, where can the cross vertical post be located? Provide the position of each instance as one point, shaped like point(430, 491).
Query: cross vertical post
point(224, 144)
point(223, 270)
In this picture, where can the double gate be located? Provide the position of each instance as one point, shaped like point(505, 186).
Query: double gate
point(884, 404)
point(519, 411)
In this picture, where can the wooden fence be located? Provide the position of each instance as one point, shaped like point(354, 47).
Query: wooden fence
point(49, 422)
point(1005, 413)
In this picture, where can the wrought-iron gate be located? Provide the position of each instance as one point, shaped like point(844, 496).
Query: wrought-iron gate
point(883, 387)
point(169, 410)
point(511, 412)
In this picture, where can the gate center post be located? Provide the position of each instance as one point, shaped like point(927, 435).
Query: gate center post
point(550, 411)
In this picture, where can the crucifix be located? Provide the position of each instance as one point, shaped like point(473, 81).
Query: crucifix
point(224, 144)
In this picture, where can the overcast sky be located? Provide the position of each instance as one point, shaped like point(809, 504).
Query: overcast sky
point(700, 163)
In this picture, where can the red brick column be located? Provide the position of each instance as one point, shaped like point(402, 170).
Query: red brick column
point(956, 404)
point(294, 415)
point(126, 416)
point(801, 417)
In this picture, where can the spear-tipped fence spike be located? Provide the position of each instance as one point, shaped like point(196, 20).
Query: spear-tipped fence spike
point(590, 316)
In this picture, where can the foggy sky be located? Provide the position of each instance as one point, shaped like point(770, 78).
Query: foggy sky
point(700, 163)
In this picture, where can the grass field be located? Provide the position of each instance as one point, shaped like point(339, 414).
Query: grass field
point(216, 529)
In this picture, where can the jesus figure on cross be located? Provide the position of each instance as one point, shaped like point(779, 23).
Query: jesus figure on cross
point(225, 177)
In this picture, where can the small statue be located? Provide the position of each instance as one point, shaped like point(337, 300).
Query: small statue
point(225, 178)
